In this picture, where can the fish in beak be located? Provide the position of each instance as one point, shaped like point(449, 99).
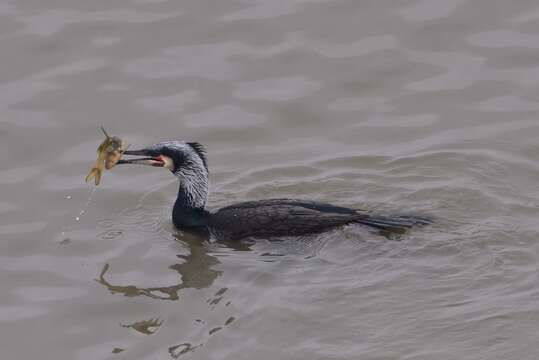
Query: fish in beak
point(109, 153)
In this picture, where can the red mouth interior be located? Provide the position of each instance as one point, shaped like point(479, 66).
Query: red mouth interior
point(159, 161)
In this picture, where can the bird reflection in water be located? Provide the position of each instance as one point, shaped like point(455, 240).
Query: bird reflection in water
point(196, 271)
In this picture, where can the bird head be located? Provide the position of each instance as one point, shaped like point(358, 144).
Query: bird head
point(186, 160)
point(177, 156)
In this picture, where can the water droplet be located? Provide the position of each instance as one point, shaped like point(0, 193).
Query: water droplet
point(77, 218)
point(68, 197)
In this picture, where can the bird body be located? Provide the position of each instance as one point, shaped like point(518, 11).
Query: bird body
point(279, 217)
point(262, 218)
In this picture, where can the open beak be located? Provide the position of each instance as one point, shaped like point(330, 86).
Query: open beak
point(157, 161)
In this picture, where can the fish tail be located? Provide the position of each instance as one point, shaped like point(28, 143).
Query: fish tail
point(94, 174)
point(98, 177)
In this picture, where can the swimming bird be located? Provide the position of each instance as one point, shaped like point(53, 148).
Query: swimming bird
point(262, 218)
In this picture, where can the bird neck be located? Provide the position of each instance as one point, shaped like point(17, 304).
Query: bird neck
point(192, 195)
point(185, 216)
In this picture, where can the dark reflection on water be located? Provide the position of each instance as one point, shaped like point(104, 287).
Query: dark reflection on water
point(170, 292)
point(146, 327)
point(195, 272)
point(181, 349)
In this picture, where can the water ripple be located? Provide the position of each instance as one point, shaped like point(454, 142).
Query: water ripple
point(51, 22)
point(226, 116)
point(280, 89)
point(210, 61)
point(362, 47)
point(504, 39)
point(425, 10)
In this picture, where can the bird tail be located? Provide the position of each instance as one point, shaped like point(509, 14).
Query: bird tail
point(393, 224)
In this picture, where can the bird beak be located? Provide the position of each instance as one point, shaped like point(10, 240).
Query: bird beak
point(157, 161)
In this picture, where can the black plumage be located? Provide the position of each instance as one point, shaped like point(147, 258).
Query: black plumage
point(289, 217)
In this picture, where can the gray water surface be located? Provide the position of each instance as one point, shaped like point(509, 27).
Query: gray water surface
point(416, 106)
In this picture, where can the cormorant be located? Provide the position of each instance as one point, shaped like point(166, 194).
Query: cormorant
point(262, 218)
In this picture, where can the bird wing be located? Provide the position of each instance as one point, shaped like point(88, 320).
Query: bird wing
point(279, 217)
